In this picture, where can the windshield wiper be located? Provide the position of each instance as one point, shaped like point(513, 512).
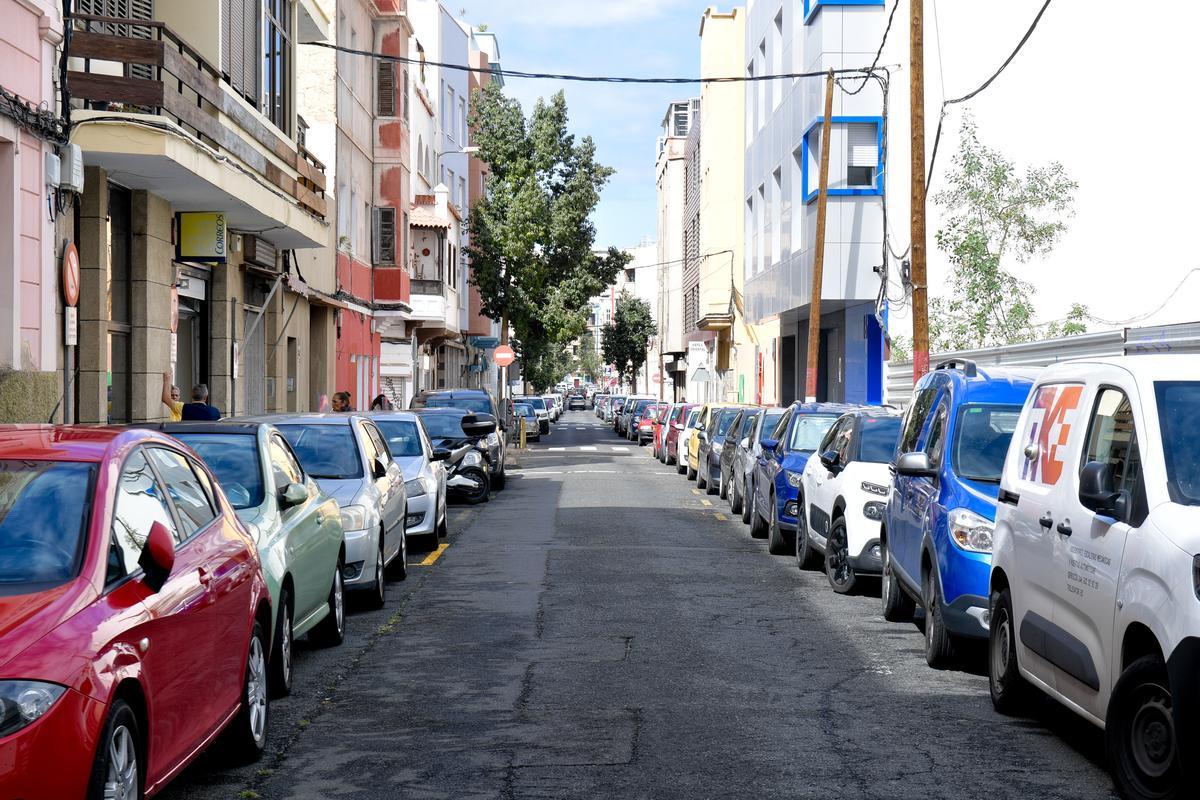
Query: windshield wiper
point(980, 479)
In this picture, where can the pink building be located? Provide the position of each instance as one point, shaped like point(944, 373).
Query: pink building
point(29, 349)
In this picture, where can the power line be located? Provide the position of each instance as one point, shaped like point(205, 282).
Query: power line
point(512, 73)
point(1141, 317)
point(942, 117)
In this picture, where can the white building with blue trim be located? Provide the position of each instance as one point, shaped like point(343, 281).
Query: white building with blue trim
point(783, 140)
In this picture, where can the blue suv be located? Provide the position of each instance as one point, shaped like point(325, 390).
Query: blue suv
point(784, 452)
point(937, 528)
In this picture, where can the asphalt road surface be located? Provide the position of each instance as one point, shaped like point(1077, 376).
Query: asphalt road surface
point(601, 630)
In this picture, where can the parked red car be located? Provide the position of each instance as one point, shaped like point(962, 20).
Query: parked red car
point(133, 615)
point(660, 426)
point(675, 420)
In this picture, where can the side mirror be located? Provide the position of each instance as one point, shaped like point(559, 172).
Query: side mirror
point(745, 442)
point(158, 557)
point(478, 425)
point(379, 470)
point(439, 454)
point(768, 444)
point(1096, 489)
point(831, 460)
point(915, 465)
point(292, 495)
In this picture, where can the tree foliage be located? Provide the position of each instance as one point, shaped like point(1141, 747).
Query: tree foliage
point(532, 238)
point(627, 337)
point(995, 215)
point(587, 360)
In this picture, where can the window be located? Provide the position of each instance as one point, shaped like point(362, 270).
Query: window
point(751, 235)
point(762, 232)
point(764, 87)
point(448, 114)
point(239, 46)
point(981, 437)
point(326, 451)
point(385, 88)
point(383, 235)
point(777, 59)
point(795, 210)
point(404, 239)
point(404, 106)
point(808, 432)
point(462, 192)
point(191, 501)
point(752, 89)
point(776, 216)
point(462, 121)
point(373, 447)
point(862, 153)
point(856, 175)
point(1112, 440)
point(277, 63)
point(811, 7)
point(233, 458)
point(53, 499)
point(935, 442)
point(914, 420)
point(285, 470)
point(1179, 417)
point(141, 502)
point(119, 301)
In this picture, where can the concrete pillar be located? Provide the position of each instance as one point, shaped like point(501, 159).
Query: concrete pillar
point(92, 353)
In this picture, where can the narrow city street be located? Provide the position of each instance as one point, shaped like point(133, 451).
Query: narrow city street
point(604, 630)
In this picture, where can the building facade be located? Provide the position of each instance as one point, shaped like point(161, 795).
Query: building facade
point(671, 182)
point(782, 131)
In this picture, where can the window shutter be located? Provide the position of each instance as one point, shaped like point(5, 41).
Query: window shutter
point(385, 89)
point(383, 235)
point(404, 97)
point(251, 25)
point(141, 9)
point(863, 146)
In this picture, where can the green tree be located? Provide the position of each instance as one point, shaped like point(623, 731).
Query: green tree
point(587, 360)
point(628, 335)
point(994, 214)
point(1073, 324)
point(532, 238)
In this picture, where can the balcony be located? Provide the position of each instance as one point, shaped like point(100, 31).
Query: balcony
point(126, 73)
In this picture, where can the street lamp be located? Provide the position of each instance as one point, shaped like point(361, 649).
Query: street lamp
point(471, 150)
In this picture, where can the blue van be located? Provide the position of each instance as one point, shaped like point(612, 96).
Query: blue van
point(936, 543)
point(784, 453)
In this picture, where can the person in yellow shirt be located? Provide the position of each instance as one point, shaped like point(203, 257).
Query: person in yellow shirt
point(170, 398)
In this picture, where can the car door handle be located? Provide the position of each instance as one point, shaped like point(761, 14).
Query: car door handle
point(1046, 521)
point(1064, 527)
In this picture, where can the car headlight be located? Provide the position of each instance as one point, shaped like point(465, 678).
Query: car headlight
point(414, 488)
point(1196, 576)
point(794, 479)
point(970, 531)
point(716, 448)
point(875, 488)
point(23, 702)
point(874, 511)
point(493, 439)
point(354, 518)
point(472, 459)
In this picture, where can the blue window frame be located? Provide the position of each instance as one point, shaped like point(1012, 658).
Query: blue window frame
point(809, 163)
point(811, 7)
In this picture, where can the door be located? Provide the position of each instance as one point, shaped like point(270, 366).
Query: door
point(391, 489)
point(181, 619)
point(307, 552)
point(821, 483)
point(1050, 432)
point(1088, 546)
point(923, 492)
point(768, 464)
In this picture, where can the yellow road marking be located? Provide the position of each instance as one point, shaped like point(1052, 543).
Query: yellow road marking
point(695, 491)
point(706, 502)
point(721, 517)
point(435, 555)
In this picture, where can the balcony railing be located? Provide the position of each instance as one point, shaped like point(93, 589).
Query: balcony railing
point(163, 75)
point(434, 287)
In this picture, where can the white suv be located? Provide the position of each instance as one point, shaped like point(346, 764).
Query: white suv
point(844, 489)
point(1095, 582)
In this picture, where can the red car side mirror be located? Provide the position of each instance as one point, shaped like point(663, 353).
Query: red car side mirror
point(158, 557)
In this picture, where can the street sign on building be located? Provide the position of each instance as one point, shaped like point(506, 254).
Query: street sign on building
point(200, 236)
point(70, 275)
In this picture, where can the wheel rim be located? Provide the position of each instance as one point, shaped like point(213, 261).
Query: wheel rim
point(1152, 732)
point(256, 689)
point(839, 560)
point(885, 589)
point(1001, 643)
point(339, 600)
point(379, 571)
point(931, 615)
point(285, 646)
point(121, 782)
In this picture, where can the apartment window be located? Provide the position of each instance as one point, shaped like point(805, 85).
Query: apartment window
point(856, 171)
point(383, 236)
point(764, 87)
point(239, 45)
point(811, 7)
point(277, 63)
point(404, 239)
point(752, 89)
point(462, 121)
point(777, 58)
point(776, 215)
point(750, 233)
point(449, 181)
point(796, 229)
point(462, 192)
point(443, 95)
point(448, 113)
point(862, 153)
point(385, 88)
point(404, 97)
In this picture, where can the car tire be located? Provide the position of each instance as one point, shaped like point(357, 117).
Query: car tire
point(701, 474)
point(708, 483)
point(281, 658)
point(735, 502)
point(1010, 691)
point(939, 644)
point(331, 631)
point(691, 473)
point(723, 487)
point(443, 527)
point(246, 737)
point(118, 766)
point(398, 569)
point(499, 480)
point(806, 554)
point(1139, 733)
point(681, 466)
point(837, 559)
point(777, 543)
point(758, 525)
point(378, 594)
point(897, 605)
point(747, 496)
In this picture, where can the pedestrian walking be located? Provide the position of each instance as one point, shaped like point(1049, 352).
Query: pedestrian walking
point(341, 402)
point(200, 409)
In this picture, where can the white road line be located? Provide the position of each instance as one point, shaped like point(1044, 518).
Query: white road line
point(588, 448)
point(620, 449)
point(556, 449)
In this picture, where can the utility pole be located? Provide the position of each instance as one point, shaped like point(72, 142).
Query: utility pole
point(920, 295)
point(814, 307)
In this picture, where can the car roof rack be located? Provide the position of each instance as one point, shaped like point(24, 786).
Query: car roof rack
point(969, 368)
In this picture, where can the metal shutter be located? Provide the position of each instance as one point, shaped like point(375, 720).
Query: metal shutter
point(863, 145)
point(250, 37)
point(141, 9)
point(239, 46)
point(383, 235)
point(385, 89)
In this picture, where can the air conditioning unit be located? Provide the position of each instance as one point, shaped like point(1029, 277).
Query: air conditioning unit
point(71, 179)
point(260, 252)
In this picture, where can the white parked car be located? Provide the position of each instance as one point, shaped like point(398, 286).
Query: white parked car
point(685, 436)
point(844, 489)
point(1095, 580)
point(424, 472)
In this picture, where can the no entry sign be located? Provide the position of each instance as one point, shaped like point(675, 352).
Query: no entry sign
point(504, 356)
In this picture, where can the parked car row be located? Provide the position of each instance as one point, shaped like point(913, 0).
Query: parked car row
point(1048, 514)
point(123, 549)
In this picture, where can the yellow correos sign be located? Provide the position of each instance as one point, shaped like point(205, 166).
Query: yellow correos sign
point(201, 236)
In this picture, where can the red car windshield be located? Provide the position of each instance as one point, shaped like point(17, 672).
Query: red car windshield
point(43, 521)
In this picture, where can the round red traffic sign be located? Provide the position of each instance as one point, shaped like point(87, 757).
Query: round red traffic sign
point(174, 309)
point(504, 355)
point(70, 275)
point(657, 378)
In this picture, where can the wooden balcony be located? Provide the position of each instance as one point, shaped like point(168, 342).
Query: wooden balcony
point(162, 75)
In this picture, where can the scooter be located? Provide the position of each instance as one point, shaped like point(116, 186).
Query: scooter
point(468, 474)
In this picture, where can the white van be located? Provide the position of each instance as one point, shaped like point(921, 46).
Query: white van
point(1095, 581)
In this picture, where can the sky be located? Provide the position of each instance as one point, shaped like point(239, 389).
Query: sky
point(1102, 88)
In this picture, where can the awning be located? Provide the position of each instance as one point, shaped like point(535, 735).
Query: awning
point(421, 217)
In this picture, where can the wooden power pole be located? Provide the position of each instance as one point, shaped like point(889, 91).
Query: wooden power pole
point(920, 295)
point(814, 308)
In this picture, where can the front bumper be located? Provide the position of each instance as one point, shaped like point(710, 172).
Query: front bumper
point(1183, 665)
point(359, 572)
point(868, 561)
point(422, 515)
point(967, 616)
point(52, 758)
